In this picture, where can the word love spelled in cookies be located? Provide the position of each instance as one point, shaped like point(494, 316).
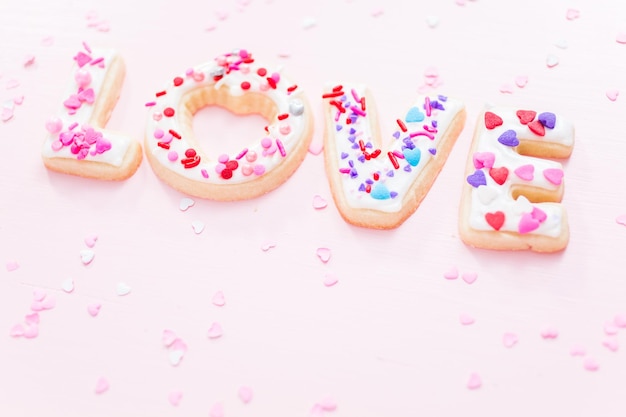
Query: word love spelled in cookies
point(511, 197)
point(76, 143)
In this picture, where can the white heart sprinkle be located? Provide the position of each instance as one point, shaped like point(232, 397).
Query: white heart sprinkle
point(509, 339)
point(86, 256)
point(522, 205)
point(309, 23)
point(466, 319)
point(432, 21)
point(552, 61)
point(68, 285)
point(6, 114)
point(122, 289)
point(185, 203)
point(486, 194)
point(197, 226)
point(323, 254)
point(506, 88)
point(561, 44)
point(319, 202)
point(521, 81)
point(621, 37)
point(175, 356)
point(215, 331)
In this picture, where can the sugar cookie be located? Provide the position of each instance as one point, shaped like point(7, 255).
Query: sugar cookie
point(237, 82)
point(511, 197)
point(380, 188)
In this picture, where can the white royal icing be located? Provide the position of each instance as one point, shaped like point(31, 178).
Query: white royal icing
point(375, 183)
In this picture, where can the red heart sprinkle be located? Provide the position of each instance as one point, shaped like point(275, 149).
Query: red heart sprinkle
point(526, 116)
point(232, 165)
point(537, 128)
point(492, 120)
point(499, 175)
point(495, 220)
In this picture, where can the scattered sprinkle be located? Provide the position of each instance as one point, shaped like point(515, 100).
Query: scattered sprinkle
point(612, 94)
point(552, 61)
point(12, 266)
point(509, 339)
point(323, 254)
point(620, 321)
point(7, 111)
point(185, 203)
point(621, 38)
point(309, 23)
point(245, 394)
point(47, 41)
point(268, 245)
point(319, 202)
point(611, 344)
point(432, 21)
point(561, 44)
point(102, 385)
point(610, 328)
point(221, 15)
point(90, 241)
point(68, 285)
point(452, 273)
point(577, 351)
point(377, 12)
point(521, 81)
point(122, 289)
point(469, 277)
point(474, 381)
point(177, 348)
point(94, 309)
point(621, 219)
point(572, 14)
point(29, 60)
point(12, 83)
point(217, 410)
point(86, 256)
point(215, 331)
point(218, 299)
point(549, 333)
point(330, 280)
point(590, 364)
point(506, 88)
point(175, 397)
point(466, 319)
point(198, 226)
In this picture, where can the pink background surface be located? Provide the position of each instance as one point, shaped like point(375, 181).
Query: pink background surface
point(386, 339)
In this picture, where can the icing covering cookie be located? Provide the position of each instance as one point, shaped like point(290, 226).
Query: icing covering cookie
point(378, 187)
point(511, 197)
point(77, 143)
point(237, 82)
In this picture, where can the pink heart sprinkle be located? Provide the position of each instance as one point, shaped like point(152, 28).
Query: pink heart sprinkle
point(549, 333)
point(168, 337)
point(17, 331)
point(323, 254)
point(102, 385)
point(39, 295)
point(577, 351)
point(94, 309)
point(179, 344)
point(483, 159)
point(330, 280)
point(157, 116)
point(327, 404)
point(474, 381)
point(621, 219)
point(28, 60)
point(452, 273)
point(32, 318)
point(572, 14)
point(19, 100)
point(590, 364)
point(553, 175)
point(319, 202)
point(215, 331)
point(612, 94)
point(82, 59)
point(245, 394)
point(525, 172)
point(217, 410)
point(174, 397)
point(90, 241)
point(509, 340)
point(316, 147)
point(610, 328)
point(620, 321)
point(466, 319)
point(469, 277)
point(12, 266)
point(506, 88)
point(527, 223)
point(31, 331)
point(621, 37)
point(521, 81)
point(218, 299)
point(6, 114)
point(611, 344)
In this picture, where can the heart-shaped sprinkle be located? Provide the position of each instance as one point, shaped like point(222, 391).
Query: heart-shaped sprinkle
point(72, 102)
point(90, 241)
point(12, 83)
point(380, 192)
point(612, 94)
point(492, 120)
point(621, 219)
point(175, 356)
point(621, 38)
point(469, 277)
point(547, 119)
point(185, 203)
point(245, 394)
point(525, 172)
point(168, 337)
point(316, 147)
point(68, 285)
point(94, 309)
point(319, 202)
point(215, 331)
point(323, 254)
point(590, 364)
point(330, 280)
point(620, 321)
point(539, 214)
point(86, 256)
point(509, 138)
point(483, 159)
point(553, 175)
point(549, 333)
point(474, 381)
point(54, 125)
point(432, 21)
point(477, 179)
point(414, 115)
point(561, 44)
point(217, 410)
point(31, 331)
point(39, 295)
point(102, 385)
point(486, 194)
point(611, 344)
point(157, 116)
point(499, 175)
point(197, 226)
point(412, 156)
point(522, 205)
point(32, 318)
point(17, 330)
point(452, 273)
point(577, 351)
point(527, 224)
point(572, 14)
point(88, 96)
point(465, 319)
point(506, 88)
point(19, 100)
point(327, 404)
point(552, 61)
point(526, 116)
point(218, 299)
point(521, 81)
point(509, 339)
point(175, 397)
point(122, 289)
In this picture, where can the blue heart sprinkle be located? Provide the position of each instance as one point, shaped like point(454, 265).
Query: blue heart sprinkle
point(380, 192)
point(414, 115)
point(509, 138)
point(477, 179)
point(412, 156)
point(547, 119)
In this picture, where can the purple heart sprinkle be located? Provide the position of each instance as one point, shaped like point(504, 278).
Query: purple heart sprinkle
point(362, 187)
point(509, 138)
point(396, 134)
point(477, 179)
point(547, 119)
point(393, 194)
point(351, 163)
point(352, 131)
point(369, 181)
point(355, 146)
point(390, 173)
point(407, 168)
point(338, 128)
point(361, 158)
point(433, 151)
point(442, 98)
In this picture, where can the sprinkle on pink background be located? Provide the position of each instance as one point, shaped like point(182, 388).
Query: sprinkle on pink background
point(245, 394)
point(319, 202)
point(215, 331)
point(323, 254)
point(267, 245)
point(612, 94)
point(218, 299)
point(509, 339)
point(330, 280)
point(12, 266)
point(621, 38)
point(572, 14)
point(474, 381)
point(621, 219)
point(469, 277)
point(452, 273)
point(102, 385)
point(175, 397)
point(466, 320)
point(590, 364)
point(217, 410)
point(549, 333)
